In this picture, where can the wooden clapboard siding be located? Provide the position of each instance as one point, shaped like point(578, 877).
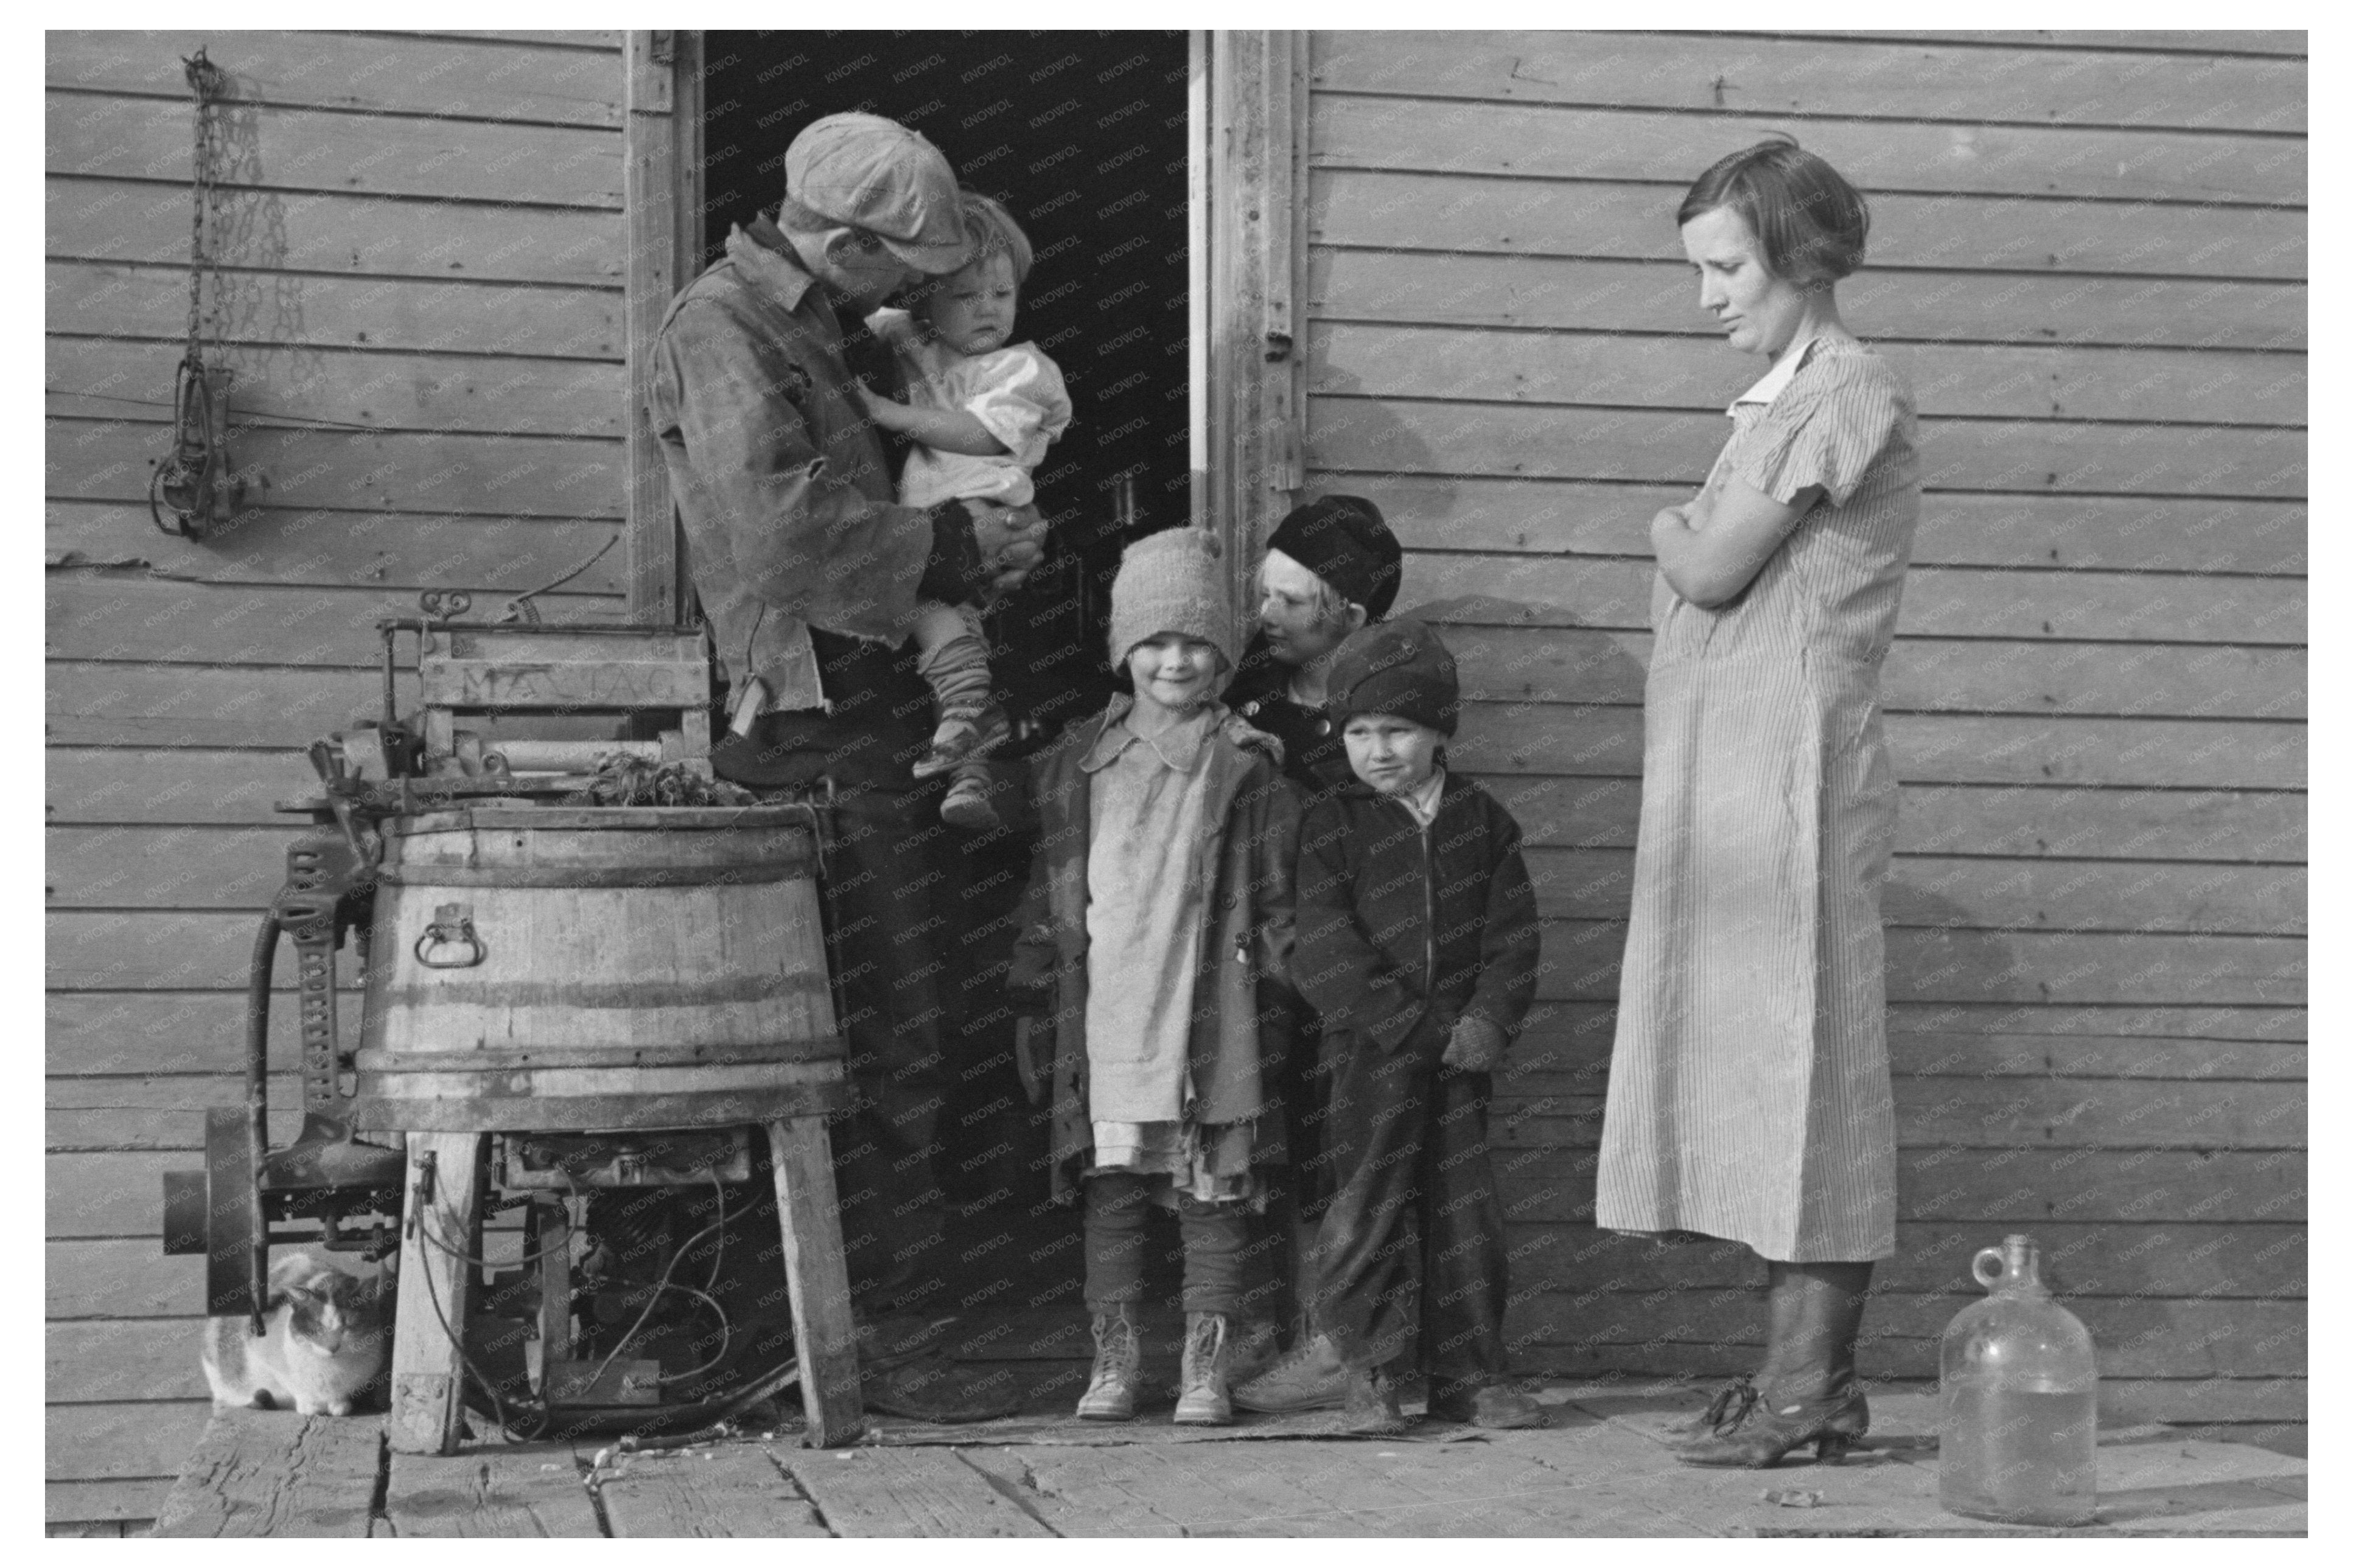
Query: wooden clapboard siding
point(350, 72)
point(1943, 601)
point(330, 234)
point(2088, 258)
point(2114, 533)
point(1355, 128)
point(402, 550)
point(1557, 1055)
point(1922, 305)
point(2222, 41)
point(1627, 221)
point(1934, 674)
point(485, 321)
point(97, 1114)
point(112, 1034)
point(1639, 444)
point(102, 134)
point(423, 260)
point(1904, 81)
point(2013, 820)
point(214, 623)
point(1975, 381)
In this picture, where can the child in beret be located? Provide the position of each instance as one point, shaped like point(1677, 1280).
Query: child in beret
point(1417, 943)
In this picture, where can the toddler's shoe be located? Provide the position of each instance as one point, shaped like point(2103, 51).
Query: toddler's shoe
point(1311, 1377)
point(1498, 1405)
point(964, 733)
point(966, 805)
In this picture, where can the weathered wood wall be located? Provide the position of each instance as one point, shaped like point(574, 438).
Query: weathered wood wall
point(425, 258)
point(2088, 256)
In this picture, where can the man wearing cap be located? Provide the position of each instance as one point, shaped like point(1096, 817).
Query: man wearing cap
point(809, 573)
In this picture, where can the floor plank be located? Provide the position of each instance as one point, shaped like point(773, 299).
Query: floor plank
point(1414, 1485)
point(906, 1492)
point(533, 1491)
point(1596, 1469)
point(269, 1472)
point(727, 1490)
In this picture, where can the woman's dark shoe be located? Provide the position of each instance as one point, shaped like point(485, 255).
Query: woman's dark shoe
point(1810, 1394)
point(1768, 1434)
point(1727, 1409)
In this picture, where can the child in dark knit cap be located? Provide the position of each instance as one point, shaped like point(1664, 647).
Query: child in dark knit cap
point(1160, 896)
point(1417, 943)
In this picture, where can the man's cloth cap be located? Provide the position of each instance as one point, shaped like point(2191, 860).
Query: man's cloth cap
point(874, 173)
point(1342, 540)
point(1173, 581)
point(1397, 668)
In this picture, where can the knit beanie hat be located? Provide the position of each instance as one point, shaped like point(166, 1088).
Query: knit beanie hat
point(1172, 580)
point(1342, 540)
point(1397, 668)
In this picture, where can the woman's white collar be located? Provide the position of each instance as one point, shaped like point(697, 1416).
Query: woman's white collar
point(1769, 386)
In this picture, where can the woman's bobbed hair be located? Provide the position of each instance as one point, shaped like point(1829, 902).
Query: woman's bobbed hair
point(1809, 221)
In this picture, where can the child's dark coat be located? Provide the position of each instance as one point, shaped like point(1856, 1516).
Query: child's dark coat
point(1399, 935)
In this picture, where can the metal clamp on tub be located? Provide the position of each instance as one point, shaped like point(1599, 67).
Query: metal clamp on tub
point(452, 926)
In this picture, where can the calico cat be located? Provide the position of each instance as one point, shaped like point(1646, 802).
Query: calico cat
point(324, 1346)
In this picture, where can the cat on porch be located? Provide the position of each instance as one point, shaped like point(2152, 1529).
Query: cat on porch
point(324, 1341)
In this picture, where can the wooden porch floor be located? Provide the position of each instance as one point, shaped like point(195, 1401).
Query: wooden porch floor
point(1599, 1470)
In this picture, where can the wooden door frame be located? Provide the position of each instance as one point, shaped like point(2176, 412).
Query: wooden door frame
point(1249, 397)
point(1248, 153)
point(661, 216)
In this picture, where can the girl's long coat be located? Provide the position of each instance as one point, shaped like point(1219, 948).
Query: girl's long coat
point(1250, 828)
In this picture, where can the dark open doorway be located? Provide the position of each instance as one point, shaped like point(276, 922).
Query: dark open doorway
point(1082, 136)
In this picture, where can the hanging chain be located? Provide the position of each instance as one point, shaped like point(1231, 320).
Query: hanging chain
point(210, 85)
point(195, 483)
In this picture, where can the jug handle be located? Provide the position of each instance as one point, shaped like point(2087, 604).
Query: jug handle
point(1992, 1258)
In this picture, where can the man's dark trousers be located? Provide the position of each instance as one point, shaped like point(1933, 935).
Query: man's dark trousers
point(891, 881)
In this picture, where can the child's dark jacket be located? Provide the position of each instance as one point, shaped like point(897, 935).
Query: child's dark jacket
point(1401, 933)
point(1250, 827)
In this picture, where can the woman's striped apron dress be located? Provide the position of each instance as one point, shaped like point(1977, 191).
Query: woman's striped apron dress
point(1749, 1096)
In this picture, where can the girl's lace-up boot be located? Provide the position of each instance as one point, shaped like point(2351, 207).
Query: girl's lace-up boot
point(1119, 1366)
point(1202, 1397)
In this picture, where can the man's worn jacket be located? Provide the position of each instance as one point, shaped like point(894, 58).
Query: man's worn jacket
point(780, 477)
point(1402, 932)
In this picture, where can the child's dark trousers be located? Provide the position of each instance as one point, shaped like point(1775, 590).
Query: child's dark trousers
point(1412, 1246)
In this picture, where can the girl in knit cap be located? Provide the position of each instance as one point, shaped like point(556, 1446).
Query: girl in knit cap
point(1417, 943)
point(981, 410)
point(1161, 895)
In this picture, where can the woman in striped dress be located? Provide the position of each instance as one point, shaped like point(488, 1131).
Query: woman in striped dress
point(1749, 1085)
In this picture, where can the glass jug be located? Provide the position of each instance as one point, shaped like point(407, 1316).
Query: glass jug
point(2020, 1395)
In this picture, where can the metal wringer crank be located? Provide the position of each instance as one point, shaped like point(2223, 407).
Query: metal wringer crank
point(585, 965)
